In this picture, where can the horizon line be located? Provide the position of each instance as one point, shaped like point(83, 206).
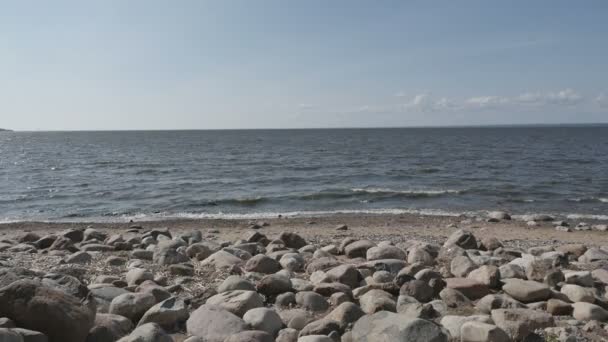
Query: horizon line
point(515, 125)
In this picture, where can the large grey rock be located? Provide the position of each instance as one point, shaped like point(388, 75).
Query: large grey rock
point(132, 305)
point(237, 301)
point(526, 291)
point(263, 319)
point(109, 327)
point(66, 318)
point(587, 312)
point(473, 331)
point(168, 313)
point(519, 323)
point(214, 324)
point(386, 326)
point(463, 239)
point(149, 332)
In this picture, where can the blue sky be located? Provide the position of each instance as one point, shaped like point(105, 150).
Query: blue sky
point(69, 65)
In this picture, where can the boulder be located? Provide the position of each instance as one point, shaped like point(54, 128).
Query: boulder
point(214, 324)
point(388, 326)
point(66, 318)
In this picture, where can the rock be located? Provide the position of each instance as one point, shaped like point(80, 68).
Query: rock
point(358, 249)
point(237, 301)
point(417, 289)
point(578, 293)
point(463, 239)
point(526, 291)
point(66, 318)
point(385, 252)
point(262, 264)
point(168, 313)
point(473, 331)
point(388, 326)
point(250, 336)
point(558, 307)
point(235, 282)
point(263, 319)
point(345, 314)
point(214, 324)
point(149, 332)
point(461, 266)
point(320, 327)
point(377, 300)
point(519, 323)
point(581, 278)
point(273, 284)
point(468, 287)
point(8, 335)
point(292, 240)
point(345, 274)
point(587, 312)
point(487, 275)
point(497, 301)
point(221, 259)
point(109, 327)
point(454, 298)
point(132, 305)
point(454, 323)
point(166, 253)
point(137, 276)
point(311, 301)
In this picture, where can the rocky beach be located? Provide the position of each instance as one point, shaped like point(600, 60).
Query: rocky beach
point(329, 278)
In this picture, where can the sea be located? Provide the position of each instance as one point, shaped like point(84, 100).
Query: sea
point(151, 175)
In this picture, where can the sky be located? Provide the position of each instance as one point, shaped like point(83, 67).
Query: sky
point(196, 64)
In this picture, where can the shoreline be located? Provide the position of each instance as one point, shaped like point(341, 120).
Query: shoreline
point(371, 226)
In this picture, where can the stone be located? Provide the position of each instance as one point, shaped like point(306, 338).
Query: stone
point(497, 301)
point(149, 332)
point(345, 314)
point(109, 327)
point(273, 284)
point(473, 331)
point(526, 291)
point(237, 302)
point(250, 336)
point(519, 323)
point(578, 293)
point(262, 264)
point(487, 275)
point(311, 301)
point(385, 252)
point(320, 327)
point(214, 324)
point(461, 266)
point(235, 282)
point(168, 314)
point(587, 312)
point(453, 323)
point(263, 319)
point(358, 249)
point(377, 300)
point(345, 274)
point(417, 289)
point(463, 239)
point(137, 276)
point(468, 287)
point(222, 259)
point(66, 318)
point(558, 307)
point(132, 305)
point(388, 326)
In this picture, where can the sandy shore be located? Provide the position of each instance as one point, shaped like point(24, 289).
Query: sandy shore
point(374, 227)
